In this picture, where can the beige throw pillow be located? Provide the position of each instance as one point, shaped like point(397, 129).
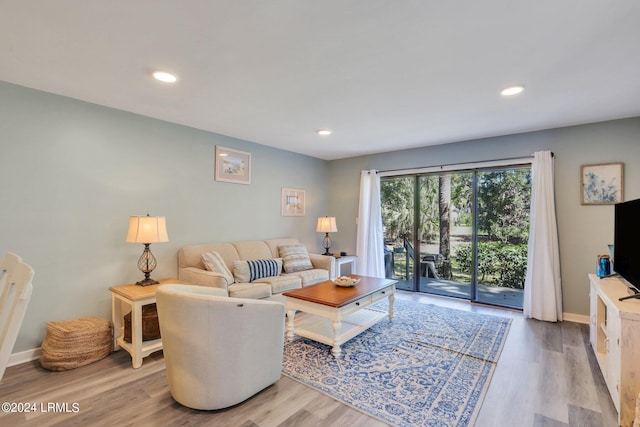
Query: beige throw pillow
point(295, 258)
point(213, 262)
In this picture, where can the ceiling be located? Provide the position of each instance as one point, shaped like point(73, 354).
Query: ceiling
point(382, 75)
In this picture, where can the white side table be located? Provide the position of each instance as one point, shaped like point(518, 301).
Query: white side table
point(134, 297)
point(344, 260)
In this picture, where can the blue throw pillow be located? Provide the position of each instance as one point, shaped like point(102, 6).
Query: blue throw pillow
point(260, 268)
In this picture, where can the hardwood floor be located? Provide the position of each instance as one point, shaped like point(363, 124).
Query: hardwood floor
point(546, 376)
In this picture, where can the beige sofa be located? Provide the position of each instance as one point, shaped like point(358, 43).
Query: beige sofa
point(192, 270)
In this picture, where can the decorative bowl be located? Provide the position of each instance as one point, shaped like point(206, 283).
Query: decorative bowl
point(346, 281)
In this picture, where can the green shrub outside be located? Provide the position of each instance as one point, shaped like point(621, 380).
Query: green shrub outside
point(499, 264)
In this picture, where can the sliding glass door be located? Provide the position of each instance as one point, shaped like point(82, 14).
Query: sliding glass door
point(504, 198)
point(445, 226)
point(398, 219)
point(461, 234)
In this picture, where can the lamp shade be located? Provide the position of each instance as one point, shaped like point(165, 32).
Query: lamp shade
point(147, 229)
point(326, 224)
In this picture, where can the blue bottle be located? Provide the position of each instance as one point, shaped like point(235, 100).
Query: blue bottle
point(604, 266)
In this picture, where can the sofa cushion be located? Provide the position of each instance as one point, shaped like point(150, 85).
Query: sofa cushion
point(282, 283)
point(310, 277)
point(250, 290)
point(253, 249)
point(295, 258)
point(250, 270)
point(214, 262)
point(191, 255)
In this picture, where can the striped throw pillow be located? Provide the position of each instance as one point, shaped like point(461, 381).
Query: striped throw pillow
point(295, 258)
point(260, 268)
point(248, 271)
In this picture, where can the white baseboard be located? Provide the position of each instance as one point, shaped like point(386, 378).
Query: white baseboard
point(24, 356)
point(578, 318)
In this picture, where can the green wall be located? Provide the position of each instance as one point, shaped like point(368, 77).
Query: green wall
point(584, 231)
point(72, 173)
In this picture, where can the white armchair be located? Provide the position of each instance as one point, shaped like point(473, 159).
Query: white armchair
point(219, 351)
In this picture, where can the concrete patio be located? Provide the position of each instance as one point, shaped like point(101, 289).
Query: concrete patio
point(506, 297)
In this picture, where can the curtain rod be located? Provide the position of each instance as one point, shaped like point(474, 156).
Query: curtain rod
point(470, 165)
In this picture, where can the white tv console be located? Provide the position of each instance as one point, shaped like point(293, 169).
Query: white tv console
point(614, 333)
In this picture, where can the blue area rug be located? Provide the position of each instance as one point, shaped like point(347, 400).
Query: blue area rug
point(431, 366)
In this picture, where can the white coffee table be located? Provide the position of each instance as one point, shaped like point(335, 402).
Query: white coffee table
point(337, 314)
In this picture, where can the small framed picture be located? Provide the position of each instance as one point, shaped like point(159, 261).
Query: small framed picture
point(602, 184)
point(233, 165)
point(292, 202)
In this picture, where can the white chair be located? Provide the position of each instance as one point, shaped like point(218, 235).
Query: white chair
point(15, 292)
point(219, 351)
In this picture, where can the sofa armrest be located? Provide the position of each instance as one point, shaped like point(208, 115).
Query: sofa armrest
point(198, 276)
point(323, 262)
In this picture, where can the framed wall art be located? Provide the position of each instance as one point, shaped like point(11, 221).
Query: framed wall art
point(602, 184)
point(292, 202)
point(233, 165)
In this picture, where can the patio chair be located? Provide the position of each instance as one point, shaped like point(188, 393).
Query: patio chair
point(431, 265)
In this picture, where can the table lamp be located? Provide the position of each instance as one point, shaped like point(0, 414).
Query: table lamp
point(147, 230)
point(326, 224)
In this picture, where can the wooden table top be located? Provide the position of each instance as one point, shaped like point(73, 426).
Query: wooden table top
point(328, 293)
point(135, 292)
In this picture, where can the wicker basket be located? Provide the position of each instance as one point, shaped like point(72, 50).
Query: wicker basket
point(150, 326)
point(70, 344)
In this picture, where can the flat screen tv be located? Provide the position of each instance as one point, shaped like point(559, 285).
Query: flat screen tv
point(626, 243)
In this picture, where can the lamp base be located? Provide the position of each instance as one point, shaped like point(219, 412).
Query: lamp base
point(146, 264)
point(147, 281)
point(326, 244)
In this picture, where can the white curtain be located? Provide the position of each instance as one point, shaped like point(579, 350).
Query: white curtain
point(370, 244)
point(542, 286)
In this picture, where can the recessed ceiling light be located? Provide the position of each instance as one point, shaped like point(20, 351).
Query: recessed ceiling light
point(512, 90)
point(163, 76)
point(323, 132)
